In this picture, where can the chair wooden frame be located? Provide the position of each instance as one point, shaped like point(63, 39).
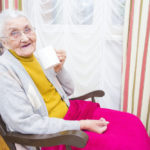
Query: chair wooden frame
point(70, 138)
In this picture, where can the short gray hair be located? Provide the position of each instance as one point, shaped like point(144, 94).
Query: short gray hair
point(9, 14)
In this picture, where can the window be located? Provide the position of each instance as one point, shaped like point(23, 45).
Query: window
point(75, 12)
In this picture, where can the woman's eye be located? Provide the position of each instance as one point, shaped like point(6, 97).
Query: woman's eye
point(14, 33)
point(27, 30)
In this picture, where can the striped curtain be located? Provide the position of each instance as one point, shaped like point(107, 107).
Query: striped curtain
point(136, 61)
point(11, 4)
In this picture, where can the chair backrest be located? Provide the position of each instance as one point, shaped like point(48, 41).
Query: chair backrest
point(1, 49)
point(3, 130)
point(3, 133)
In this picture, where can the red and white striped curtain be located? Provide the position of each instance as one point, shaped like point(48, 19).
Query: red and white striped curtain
point(12, 4)
point(136, 60)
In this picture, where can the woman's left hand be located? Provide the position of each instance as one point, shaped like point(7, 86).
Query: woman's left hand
point(61, 54)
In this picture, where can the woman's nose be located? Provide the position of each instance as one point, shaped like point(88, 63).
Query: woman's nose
point(24, 37)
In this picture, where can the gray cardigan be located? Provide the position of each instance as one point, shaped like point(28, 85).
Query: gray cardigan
point(21, 105)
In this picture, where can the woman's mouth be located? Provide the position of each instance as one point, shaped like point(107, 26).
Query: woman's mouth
point(26, 45)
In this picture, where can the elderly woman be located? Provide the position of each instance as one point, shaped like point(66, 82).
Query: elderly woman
point(35, 101)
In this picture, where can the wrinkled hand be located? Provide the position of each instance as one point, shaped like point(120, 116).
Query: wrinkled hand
point(98, 126)
point(61, 54)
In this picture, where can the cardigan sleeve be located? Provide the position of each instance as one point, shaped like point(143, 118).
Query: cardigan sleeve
point(66, 81)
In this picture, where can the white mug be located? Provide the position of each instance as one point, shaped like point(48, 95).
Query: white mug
point(48, 57)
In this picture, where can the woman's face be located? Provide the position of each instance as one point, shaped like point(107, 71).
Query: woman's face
point(20, 36)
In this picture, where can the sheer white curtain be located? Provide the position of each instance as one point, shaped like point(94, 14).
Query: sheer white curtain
point(91, 33)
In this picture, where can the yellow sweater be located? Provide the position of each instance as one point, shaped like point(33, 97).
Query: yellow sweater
point(56, 107)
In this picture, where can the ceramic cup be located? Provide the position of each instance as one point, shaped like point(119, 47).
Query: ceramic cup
point(48, 57)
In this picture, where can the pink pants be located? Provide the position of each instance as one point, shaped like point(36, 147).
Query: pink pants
point(125, 131)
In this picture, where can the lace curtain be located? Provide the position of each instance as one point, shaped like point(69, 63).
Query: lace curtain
point(91, 33)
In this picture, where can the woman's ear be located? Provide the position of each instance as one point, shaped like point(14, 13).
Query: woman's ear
point(4, 43)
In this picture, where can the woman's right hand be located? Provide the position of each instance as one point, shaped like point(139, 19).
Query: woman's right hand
point(98, 126)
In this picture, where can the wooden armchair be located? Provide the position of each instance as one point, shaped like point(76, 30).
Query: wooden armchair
point(75, 138)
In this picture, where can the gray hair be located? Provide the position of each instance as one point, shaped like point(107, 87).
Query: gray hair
point(9, 14)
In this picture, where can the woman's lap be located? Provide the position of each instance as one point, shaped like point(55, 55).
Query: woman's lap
point(125, 131)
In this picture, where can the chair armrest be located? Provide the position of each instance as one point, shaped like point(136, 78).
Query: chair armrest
point(75, 138)
point(98, 93)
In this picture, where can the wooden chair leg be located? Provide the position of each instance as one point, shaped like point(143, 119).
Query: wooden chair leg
point(68, 147)
point(37, 148)
point(11, 146)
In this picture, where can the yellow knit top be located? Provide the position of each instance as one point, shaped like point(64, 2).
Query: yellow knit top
point(56, 107)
